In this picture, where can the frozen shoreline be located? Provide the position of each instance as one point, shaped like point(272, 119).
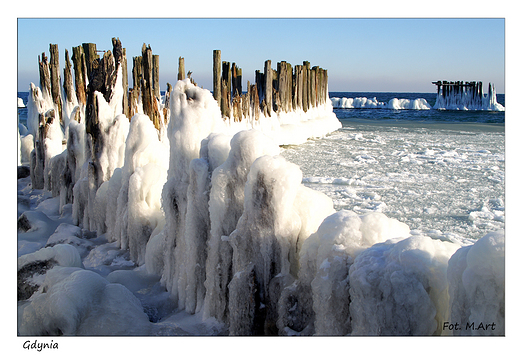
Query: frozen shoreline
point(208, 221)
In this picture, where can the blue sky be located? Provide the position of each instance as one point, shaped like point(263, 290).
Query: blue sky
point(360, 54)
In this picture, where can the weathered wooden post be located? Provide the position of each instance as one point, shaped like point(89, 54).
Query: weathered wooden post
point(288, 87)
point(280, 68)
point(180, 75)
point(147, 93)
point(68, 87)
point(124, 65)
point(80, 73)
point(313, 87)
point(246, 102)
point(255, 103)
point(137, 72)
point(226, 90)
point(236, 80)
point(90, 56)
point(217, 89)
point(237, 108)
point(166, 109)
point(56, 79)
point(103, 78)
point(135, 92)
point(325, 86)
point(45, 76)
point(155, 75)
point(268, 87)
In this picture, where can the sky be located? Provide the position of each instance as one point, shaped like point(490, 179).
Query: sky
point(360, 54)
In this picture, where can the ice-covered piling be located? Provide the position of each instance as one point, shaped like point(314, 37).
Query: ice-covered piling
point(460, 95)
point(476, 280)
point(150, 85)
point(276, 219)
point(226, 205)
point(194, 115)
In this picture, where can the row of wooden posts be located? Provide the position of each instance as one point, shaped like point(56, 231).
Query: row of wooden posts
point(446, 88)
point(282, 90)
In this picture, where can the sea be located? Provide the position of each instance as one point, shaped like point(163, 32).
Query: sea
point(441, 172)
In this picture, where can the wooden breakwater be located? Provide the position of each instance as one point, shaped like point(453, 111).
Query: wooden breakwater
point(95, 73)
point(279, 90)
point(447, 88)
point(465, 95)
point(282, 90)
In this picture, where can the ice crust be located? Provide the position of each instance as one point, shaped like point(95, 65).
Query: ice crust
point(203, 228)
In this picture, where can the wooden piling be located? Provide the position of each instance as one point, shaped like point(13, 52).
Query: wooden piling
point(225, 105)
point(246, 103)
point(137, 72)
point(237, 108)
point(217, 89)
point(80, 74)
point(268, 87)
point(124, 65)
point(236, 80)
point(91, 55)
point(181, 75)
point(45, 76)
point(68, 87)
point(103, 78)
point(166, 109)
point(155, 75)
point(255, 103)
point(147, 92)
point(56, 79)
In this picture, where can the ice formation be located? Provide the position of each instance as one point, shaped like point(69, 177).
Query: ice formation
point(468, 96)
point(476, 278)
point(206, 214)
point(400, 287)
point(373, 103)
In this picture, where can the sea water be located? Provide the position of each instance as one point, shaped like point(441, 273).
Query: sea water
point(440, 172)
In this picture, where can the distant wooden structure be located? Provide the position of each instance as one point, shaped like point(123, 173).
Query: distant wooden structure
point(282, 90)
point(471, 91)
point(446, 88)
